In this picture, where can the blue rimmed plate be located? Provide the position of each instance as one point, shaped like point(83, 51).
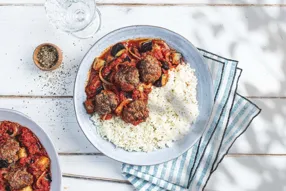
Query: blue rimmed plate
point(204, 95)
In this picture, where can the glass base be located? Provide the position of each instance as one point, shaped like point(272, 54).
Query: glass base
point(91, 29)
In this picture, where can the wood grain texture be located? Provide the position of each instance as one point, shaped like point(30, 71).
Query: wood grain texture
point(251, 31)
point(57, 118)
point(92, 166)
point(253, 35)
point(92, 178)
point(72, 184)
point(266, 173)
point(169, 2)
point(266, 135)
point(249, 173)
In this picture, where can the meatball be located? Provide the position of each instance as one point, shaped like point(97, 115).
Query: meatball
point(127, 78)
point(149, 69)
point(19, 179)
point(105, 102)
point(8, 151)
point(135, 112)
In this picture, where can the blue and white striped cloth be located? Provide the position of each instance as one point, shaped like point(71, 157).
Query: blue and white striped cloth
point(230, 117)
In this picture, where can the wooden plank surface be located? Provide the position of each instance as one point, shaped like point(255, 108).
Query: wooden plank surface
point(249, 174)
point(57, 118)
point(92, 166)
point(253, 35)
point(71, 184)
point(251, 31)
point(266, 173)
point(174, 2)
point(266, 135)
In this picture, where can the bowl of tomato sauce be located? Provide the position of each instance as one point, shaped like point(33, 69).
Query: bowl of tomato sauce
point(28, 159)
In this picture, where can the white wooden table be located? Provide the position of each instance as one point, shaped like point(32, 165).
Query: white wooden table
point(251, 31)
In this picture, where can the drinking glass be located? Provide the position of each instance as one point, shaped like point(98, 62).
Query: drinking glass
point(80, 18)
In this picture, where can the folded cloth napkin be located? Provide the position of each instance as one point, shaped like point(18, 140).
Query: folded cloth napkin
point(230, 118)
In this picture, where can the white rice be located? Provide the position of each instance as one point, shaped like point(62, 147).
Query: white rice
point(172, 109)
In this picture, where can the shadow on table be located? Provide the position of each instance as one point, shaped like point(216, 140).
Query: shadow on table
point(269, 22)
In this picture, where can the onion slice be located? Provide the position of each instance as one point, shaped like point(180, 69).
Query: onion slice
point(102, 79)
point(161, 42)
point(133, 54)
point(164, 79)
point(143, 86)
point(39, 179)
point(15, 131)
point(119, 109)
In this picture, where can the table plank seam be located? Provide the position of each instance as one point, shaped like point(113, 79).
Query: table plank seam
point(256, 155)
point(163, 4)
point(81, 154)
point(83, 177)
point(266, 97)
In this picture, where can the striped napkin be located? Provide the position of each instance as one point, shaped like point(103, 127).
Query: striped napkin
point(230, 117)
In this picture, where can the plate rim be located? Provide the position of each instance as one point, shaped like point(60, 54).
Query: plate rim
point(158, 161)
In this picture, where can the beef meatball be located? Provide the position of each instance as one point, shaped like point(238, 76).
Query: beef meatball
point(127, 78)
point(105, 102)
point(8, 151)
point(149, 69)
point(135, 112)
point(19, 179)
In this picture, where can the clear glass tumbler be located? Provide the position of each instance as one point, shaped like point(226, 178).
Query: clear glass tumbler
point(80, 18)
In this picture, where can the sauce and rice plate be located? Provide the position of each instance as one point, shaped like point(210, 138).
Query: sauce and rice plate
point(172, 110)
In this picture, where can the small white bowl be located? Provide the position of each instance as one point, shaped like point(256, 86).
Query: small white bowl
point(15, 116)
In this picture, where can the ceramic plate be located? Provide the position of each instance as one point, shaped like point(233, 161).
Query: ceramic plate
point(15, 116)
point(204, 95)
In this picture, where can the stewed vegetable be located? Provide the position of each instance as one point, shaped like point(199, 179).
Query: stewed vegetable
point(123, 75)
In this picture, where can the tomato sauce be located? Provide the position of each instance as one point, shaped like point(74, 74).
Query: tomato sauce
point(30, 157)
point(128, 53)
